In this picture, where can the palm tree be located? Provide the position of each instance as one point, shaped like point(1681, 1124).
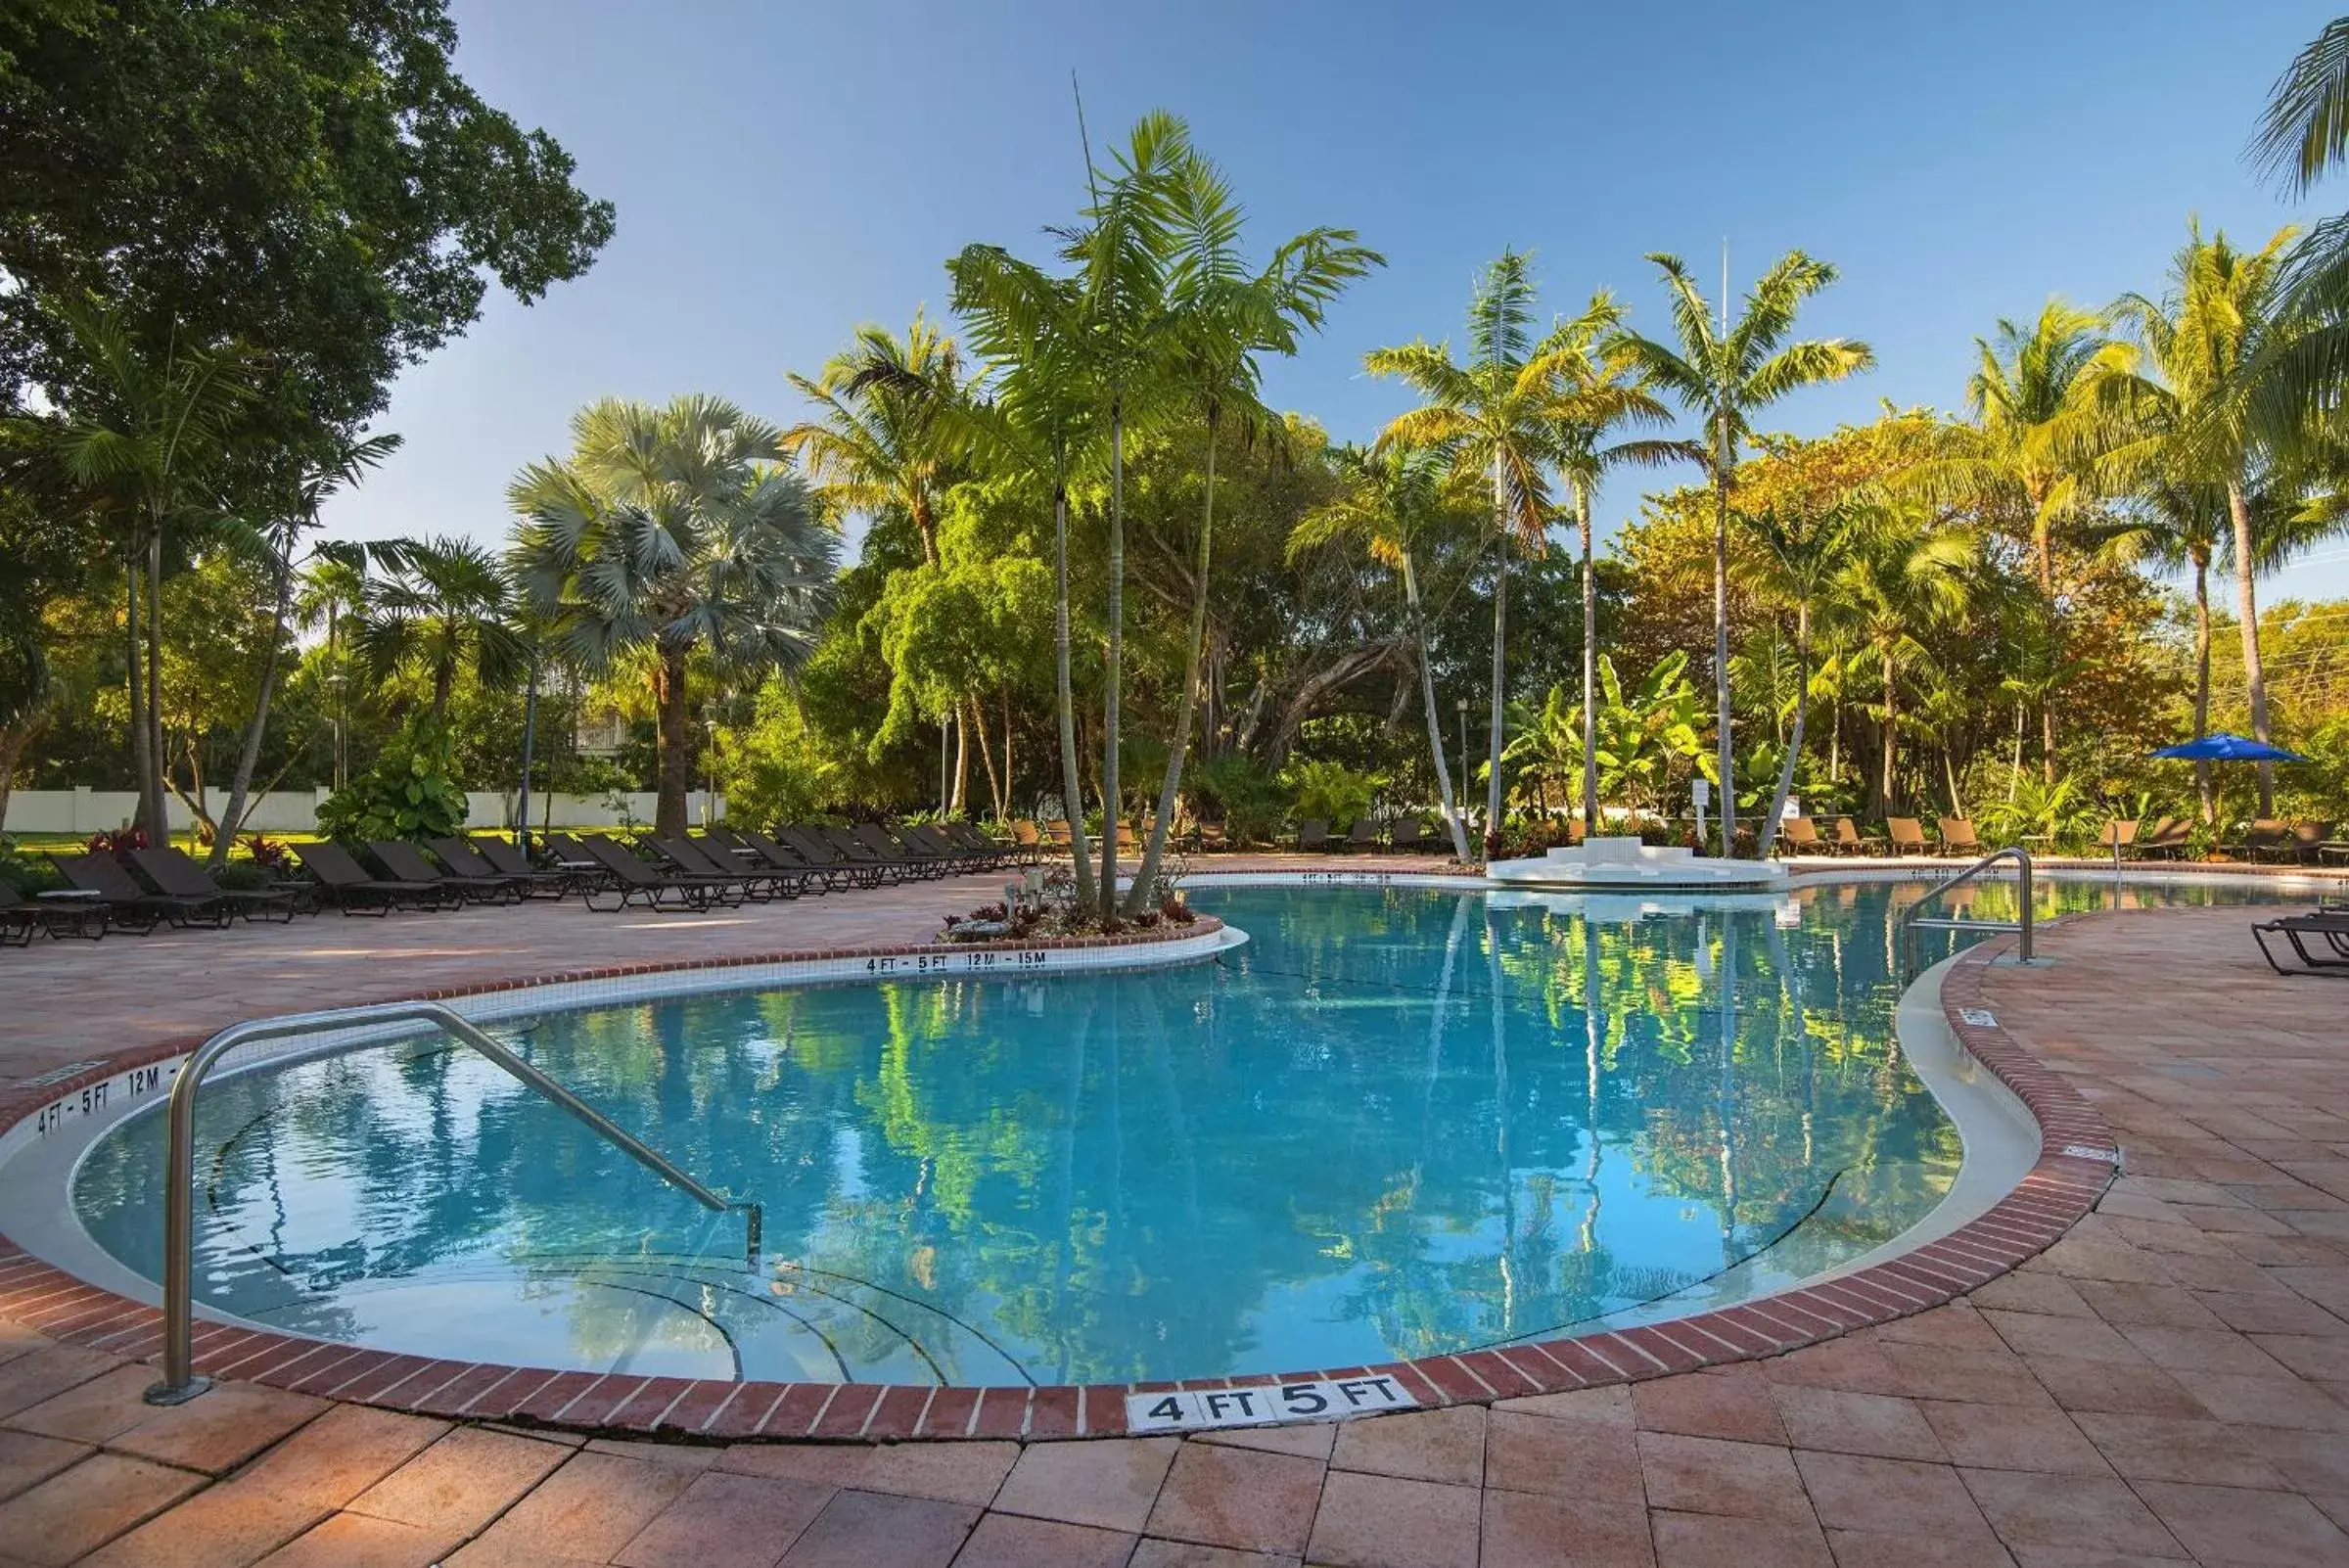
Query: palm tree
point(1896, 578)
point(1220, 317)
point(1801, 548)
point(2303, 137)
point(1726, 375)
point(1390, 501)
point(673, 530)
point(2194, 419)
point(887, 434)
point(446, 605)
point(1490, 418)
point(1597, 399)
point(334, 591)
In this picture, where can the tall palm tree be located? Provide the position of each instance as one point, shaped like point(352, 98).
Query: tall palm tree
point(1491, 418)
point(1725, 374)
point(446, 605)
point(1221, 316)
point(886, 432)
point(1392, 502)
point(333, 592)
point(1898, 577)
point(2303, 137)
point(1598, 399)
point(2025, 460)
point(674, 529)
point(2191, 416)
point(1801, 549)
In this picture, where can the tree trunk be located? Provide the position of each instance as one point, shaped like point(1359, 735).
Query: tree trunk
point(1721, 633)
point(2246, 609)
point(2043, 544)
point(671, 724)
point(14, 740)
point(1892, 735)
point(2202, 681)
point(1435, 719)
point(1071, 782)
point(141, 739)
point(1113, 665)
point(1500, 655)
point(160, 820)
point(249, 758)
point(987, 756)
point(962, 760)
point(1582, 516)
point(1768, 825)
point(1186, 708)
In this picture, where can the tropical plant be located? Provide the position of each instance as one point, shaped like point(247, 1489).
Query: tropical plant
point(672, 531)
point(1330, 791)
point(2303, 137)
point(1252, 799)
point(1723, 376)
point(1800, 550)
point(409, 793)
point(2063, 813)
point(1647, 732)
point(1898, 577)
point(442, 605)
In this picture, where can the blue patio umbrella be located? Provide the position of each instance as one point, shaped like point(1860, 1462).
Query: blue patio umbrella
point(2225, 748)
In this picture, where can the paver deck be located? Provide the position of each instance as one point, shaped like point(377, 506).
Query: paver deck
point(2169, 1381)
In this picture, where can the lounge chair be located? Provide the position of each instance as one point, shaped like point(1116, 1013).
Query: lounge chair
point(1058, 832)
point(816, 849)
point(127, 902)
point(1408, 836)
point(1029, 840)
point(1312, 836)
point(1907, 836)
point(21, 917)
point(354, 890)
point(170, 869)
point(2308, 840)
point(1363, 835)
point(1801, 836)
point(1849, 840)
point(2117, 835)
point(1957, 835)
point(694, 861)
point(469, 858)
point(2332, 926)
point(785, 857)
point(933, 840)
point(2267, 839)
point(633, 882)
point(403, 861)
point(876, 847)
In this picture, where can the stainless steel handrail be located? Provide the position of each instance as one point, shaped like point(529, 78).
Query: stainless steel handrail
point(1905, 937)
point(180, 1382)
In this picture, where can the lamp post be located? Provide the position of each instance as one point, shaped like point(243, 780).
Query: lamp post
point(710, 751)
point(1460, 704)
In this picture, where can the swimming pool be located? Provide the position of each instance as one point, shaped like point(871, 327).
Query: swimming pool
point(1398, 1122)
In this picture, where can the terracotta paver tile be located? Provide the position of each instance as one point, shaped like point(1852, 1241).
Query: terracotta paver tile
point(26, 1459)
point(1836, 1421)
point(1237, 1498)
point(727, 1521)
point(2026, 1291)
point(1855, 1491)
point(1368, 1521)
point(591, 1507)
point(2169, 1306)
point(2085, 1338)
point(358, 1541)
point(504, 1551)
point(1008, 1540)
point(1980, 1377)
point(1860, 1366)
point(839, 1464)
point(2316, 1463)
point(2266, 1401)
point(1525, 1530)
point(87, 1504)
point(1109, 1485)
point(1703, 1541)
point(1446, 1446)
point(2227, 1525)
point(2067, 1511)
point(676, 1456)
point(2165, 1447)
point(2321, 1356)
point(41, 1374)
point(1561, 1458)
point(2202, 1350)
point(460, 1483)
point(1706, 1475)
point(950, 1472)
point(92, 1412)
point(1957, 1325)
point(1190, 1555)
point(1734, 1405)
point(221, 1527)
point(1998, 1437)
point(2270, 1312)
point(1861, 1548)
point(2140, 1390)
point(222, 1430)
point(866, 1530)
point(1313, 1440)
point(1610, 1405)
point(339, 1456)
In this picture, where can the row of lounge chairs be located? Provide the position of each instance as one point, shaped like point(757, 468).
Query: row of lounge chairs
point(1408, 836)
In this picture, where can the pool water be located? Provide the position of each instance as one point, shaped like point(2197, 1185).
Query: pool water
point(1398, 1121)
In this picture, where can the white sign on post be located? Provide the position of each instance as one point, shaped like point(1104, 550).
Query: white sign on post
point(1263, 1404)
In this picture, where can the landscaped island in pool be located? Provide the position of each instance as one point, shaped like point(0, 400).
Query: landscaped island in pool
point(1398, 1122)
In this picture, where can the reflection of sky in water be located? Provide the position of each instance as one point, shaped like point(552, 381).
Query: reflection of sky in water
point(1398, 1123)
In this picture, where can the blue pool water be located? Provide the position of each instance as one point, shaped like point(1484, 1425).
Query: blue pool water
point(1398, 1121)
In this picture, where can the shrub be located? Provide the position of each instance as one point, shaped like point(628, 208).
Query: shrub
point(1330, 791)
point(1249, 798)
point(407, 794)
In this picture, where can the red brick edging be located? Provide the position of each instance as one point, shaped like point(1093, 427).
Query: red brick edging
point(2073, 1168)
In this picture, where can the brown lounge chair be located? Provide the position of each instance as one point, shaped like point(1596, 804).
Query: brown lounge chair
point(356, 891)
point(2117, 835)
point(1363, 835)
point(170, 869)
point(1957, 835)
point(1907, 835)
point(1408, 836)
point(694, 862)
point(1801, 836)
point(783, 858)
point(1849, 840)
point(816, 849)
point(1312, 836)
point(633, 882)
point(2330, 925)
point(2267, 839)
point(128, 903)
point(1030, 840)
point(405, 862)
point(467, 858)
point(21, 917)
point(2167, 837)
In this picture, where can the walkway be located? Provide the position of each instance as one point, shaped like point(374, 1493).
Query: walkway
point(2169, 1381)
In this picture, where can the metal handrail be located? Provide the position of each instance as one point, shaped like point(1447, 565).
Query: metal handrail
point(180, 1382)
point(1906, 934)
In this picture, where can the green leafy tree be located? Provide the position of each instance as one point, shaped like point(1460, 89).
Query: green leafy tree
point(1897, 578)
point(1801, 550)
point(409, 793)
point(444, 605)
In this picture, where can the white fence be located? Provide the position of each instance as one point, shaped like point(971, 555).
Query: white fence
point(87, 811)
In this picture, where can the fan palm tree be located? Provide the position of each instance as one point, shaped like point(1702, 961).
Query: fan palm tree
point(1491, 418)
point(1598, 398)
point(446, 605)
point(1726, 375)
point(1221, 316)
point(2192, 415)
point(673, 530)
point(1392, 502)
point(1801, 548)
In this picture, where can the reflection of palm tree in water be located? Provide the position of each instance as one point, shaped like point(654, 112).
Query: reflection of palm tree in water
point(1500, 1126)
point(1591, 1031)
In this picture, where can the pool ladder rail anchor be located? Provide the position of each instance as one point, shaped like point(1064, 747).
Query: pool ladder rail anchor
point(1912, 917)
point(180, 1381)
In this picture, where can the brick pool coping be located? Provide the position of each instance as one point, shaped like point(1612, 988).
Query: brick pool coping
point(2076, 1164)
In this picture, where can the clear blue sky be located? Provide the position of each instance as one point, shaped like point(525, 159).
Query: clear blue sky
point(783, 173)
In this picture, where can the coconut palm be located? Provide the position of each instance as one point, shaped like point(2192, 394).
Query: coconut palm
point(1491, 418)
point(1725, 374)
point(2303, 137)
point(446, 605)
point(1391, 502)
point(1221, 317)
point(886, 435)
point(676, 530)
point(1801, 548)
point(1896, 578)
point(333, 591)
point(2192, 415)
